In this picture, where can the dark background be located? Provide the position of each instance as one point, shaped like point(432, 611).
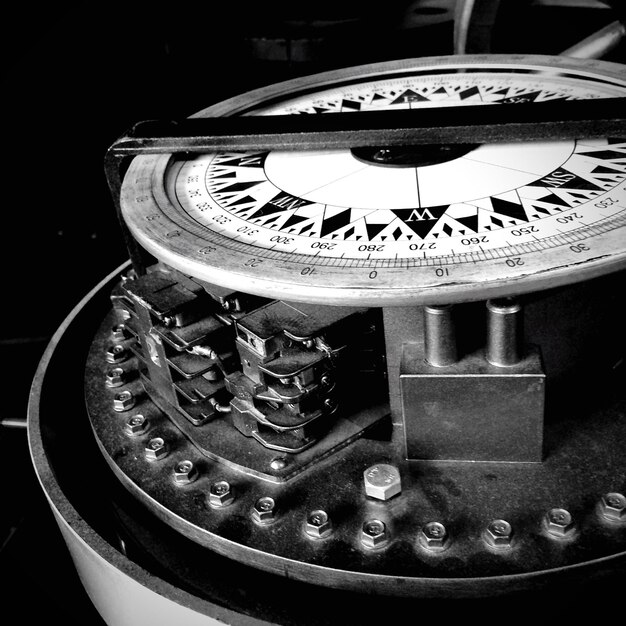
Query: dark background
point(75, 76)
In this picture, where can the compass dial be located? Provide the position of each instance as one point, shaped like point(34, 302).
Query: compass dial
point(434, 224)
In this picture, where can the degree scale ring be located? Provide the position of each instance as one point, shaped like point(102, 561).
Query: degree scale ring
point(325, 226)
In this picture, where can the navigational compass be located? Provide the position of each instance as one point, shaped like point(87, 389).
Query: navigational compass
point(393, 366)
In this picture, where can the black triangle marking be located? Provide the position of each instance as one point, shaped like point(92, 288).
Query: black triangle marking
point(605, 155)
point(553, 199)
point(237, 187)
point(421, 221)
point(537, 208)
point(603, 169)
point(510, 209)
point(374, 229)
point(244, 200)
point(293, 220)
point(470, 222)
point(409, 96)
point(563, 179)
point(256, 159)
point(335, 222)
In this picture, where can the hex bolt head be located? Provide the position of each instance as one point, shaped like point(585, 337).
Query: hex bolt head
point(123, 401)
point(559, 522)
point(498, 534)
point(318, 524)
point(117, 353)
point(433, 536)
point(613, 507)
point(264, 510)
point(326, 381)
point(374, 533)
point(119, 333)
point(115, 377)
point(137, 425)
point(278, 463)
point(382, 481)
point(221, 494)
point(156, 449)
point(185, 472)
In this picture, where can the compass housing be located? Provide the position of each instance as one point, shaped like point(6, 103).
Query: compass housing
point(293, 341)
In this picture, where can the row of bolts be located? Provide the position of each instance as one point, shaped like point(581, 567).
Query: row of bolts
point(381, 481)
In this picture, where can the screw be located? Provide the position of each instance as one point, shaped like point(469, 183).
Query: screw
point(278, 463)
point(331, 404)
point(156, 449)
point(382, 481)
point(498, 534)
point(613, 507)
point(318, 524)
point(374, 533)
point(559, 522)
point(123, 401)
point(115, 377)
point(117, 353)
point(137, 425)
point(263, 510)
point(433, 536)
point(119, 332)
point(185, 472)
point(326, 381)
point(220, 494)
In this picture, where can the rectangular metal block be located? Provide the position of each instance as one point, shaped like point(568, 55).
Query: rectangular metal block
point(472, 410)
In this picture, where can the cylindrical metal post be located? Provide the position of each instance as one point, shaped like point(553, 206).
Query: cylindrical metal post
point(439, 335)
point(504, 331)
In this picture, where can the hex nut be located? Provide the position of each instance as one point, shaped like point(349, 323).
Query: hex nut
point(221, 494)
point(123, 401)
point(382, 481)
point(318, 524)
point(559, 522)
point(115, 377)
point(137, 425)
point(119, 333)
point(374, 533)
point(156, 449)
point(264, 510)
point(498, 534)
point(613, 507)
point(433, 536)
point(185, 472)
point(278, 463)
point(116, 353)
